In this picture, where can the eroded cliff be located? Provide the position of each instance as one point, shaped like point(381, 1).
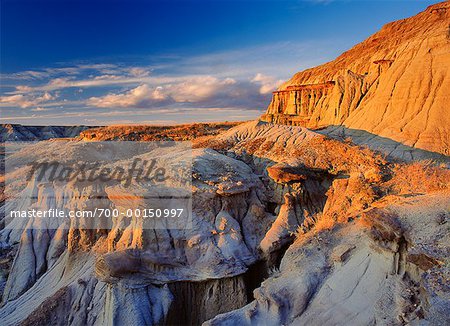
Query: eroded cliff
point(393, 85)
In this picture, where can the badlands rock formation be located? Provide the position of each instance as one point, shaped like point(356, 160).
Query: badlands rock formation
point(376, 252)
point(336, 233)
point(146, 133)
point(15, 132)
point(391, 89)
point(375, 270)
point(128, 274)
point(289, 226)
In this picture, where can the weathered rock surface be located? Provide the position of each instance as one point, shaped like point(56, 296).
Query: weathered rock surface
point(15, 132)
point(341, 235)
point(391, 89)
point(353, 275)
point(363, 238)
point(128, 267)
point(156, 132)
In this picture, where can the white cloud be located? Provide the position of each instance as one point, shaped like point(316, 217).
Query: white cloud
point(239, 80)
point(268, 83)
point(93, 81)
point(107, 77)
point(139, 72)
point(87, 75)
point(199, 88)
point(25, 101)
point(16, 100)
point(24, 89)
point(190, 90)
point(140, 96)
point(46, 73)
point(45, 97)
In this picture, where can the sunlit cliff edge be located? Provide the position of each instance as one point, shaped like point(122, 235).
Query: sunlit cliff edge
point(395, 84)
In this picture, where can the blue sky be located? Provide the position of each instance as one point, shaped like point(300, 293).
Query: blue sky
point(106, 62)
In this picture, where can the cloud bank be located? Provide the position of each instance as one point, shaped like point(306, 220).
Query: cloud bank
point(236, 81)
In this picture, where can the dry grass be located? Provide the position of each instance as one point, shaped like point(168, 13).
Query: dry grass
point(418, 177)
point(324, 222)
point(156, 133)
point(348, 199)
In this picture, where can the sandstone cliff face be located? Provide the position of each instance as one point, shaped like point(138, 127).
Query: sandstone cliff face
point(395, 85)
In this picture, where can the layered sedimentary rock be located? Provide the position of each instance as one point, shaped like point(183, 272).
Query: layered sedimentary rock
point(369, 256)
point(393, 85)
point(339, 234)
point(350, 222)
point(362, 273)
point(15, 132)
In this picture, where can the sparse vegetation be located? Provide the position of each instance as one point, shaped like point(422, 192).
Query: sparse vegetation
point(418, 177)
point(156, 133)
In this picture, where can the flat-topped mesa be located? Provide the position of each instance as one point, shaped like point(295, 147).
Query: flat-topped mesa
point(394, 85)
